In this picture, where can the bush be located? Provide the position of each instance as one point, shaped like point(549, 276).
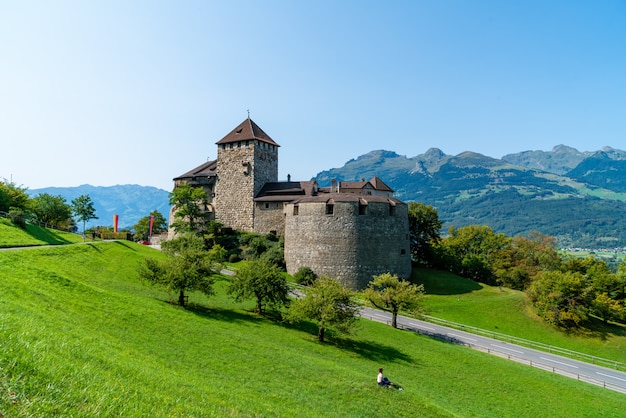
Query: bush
point(18, 217)
point(274, 256)
point(305, 276)
point(233, 258)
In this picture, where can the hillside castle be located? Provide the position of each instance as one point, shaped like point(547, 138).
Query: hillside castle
point(350, 230)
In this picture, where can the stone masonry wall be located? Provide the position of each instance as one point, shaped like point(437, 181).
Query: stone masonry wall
point(242, 170)
point(269, 217)
point(346, 245)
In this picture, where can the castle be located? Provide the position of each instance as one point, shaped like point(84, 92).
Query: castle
point(350, 230)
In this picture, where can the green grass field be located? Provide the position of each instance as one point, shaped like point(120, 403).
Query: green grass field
point(504, 311)
point(10, 236)
point(81, 336)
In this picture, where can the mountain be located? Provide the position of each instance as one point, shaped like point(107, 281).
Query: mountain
point(577, 197)
point(130, 202)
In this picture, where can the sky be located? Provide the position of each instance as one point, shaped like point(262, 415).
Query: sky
point(138, 92)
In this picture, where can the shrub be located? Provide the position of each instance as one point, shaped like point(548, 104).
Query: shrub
point(305, 276)
point(274, 256)
point(18, 217)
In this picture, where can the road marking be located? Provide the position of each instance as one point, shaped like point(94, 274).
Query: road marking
point(462, 337)
point(559, 362)
point(608, 375)
point(510, 349)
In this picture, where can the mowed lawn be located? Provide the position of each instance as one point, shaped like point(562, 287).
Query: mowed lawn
point(11, 236)
point(80, 335)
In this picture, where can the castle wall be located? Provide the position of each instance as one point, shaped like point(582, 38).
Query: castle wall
point(269, 217)
point(347, 245)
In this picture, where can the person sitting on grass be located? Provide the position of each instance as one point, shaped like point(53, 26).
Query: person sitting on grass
point(383, 381)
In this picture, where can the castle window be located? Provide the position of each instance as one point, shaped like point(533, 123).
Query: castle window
point(392, 210)
point(362, 207)
point(330, 208)
point(403, 252)
point(267, 206)
point(296, 210)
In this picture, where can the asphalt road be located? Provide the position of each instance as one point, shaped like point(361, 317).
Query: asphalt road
point(586, 372)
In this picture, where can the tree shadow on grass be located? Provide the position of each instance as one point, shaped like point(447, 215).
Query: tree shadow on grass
point(49, 236)
point(595, 328)
point(227, 315)
point(372, 350)
point(125, 244)
point(367, 349)
point(439, 282)
point(94, 247)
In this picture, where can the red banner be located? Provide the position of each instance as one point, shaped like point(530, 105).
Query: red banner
point(116, 218)
point(151, 223)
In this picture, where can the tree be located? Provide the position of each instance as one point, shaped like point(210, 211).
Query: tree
point(473, 252)
point(52, 210)
point(142, 227)
point(424, 231)
point(329, 304)
point(190, 209)
point(187, 267)
point(389, 293)
point(262, 281)
point(12, 196)
point(520, 261)
point(561, 298)
point(607, 308)
point(82, 208)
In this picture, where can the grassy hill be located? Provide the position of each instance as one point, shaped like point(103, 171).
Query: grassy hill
point(80, 335)
point(10, 236)
point(505, 311)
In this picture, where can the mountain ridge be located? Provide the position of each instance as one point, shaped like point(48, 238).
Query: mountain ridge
point(130, 202)
point(579, 197)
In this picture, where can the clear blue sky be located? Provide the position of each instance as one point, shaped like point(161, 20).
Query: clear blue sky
point(138, 92)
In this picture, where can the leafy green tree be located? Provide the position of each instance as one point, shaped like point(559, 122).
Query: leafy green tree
point(473, 251)
point(519, 262)
point(218, 253)
point(13, 196)
point(142, 227)
point(327, 303)
point(424, 231)
point(190, 209)
point(51, 210)
point(262, 281)
point(389, 293)
point(607, 308)
point(83, 209)
point(561, 298)
point(188, 267)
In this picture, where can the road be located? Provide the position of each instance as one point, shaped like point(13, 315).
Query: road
point(586, 372)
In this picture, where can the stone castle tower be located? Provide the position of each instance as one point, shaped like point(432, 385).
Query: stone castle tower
point(247, 159)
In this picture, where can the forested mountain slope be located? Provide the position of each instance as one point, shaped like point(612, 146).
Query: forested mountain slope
point(584, 207)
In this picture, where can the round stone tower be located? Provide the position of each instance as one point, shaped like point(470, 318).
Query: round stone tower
point(347, 236)
point(247, 159)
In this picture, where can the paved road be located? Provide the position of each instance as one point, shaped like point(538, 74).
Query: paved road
point(590, 373)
